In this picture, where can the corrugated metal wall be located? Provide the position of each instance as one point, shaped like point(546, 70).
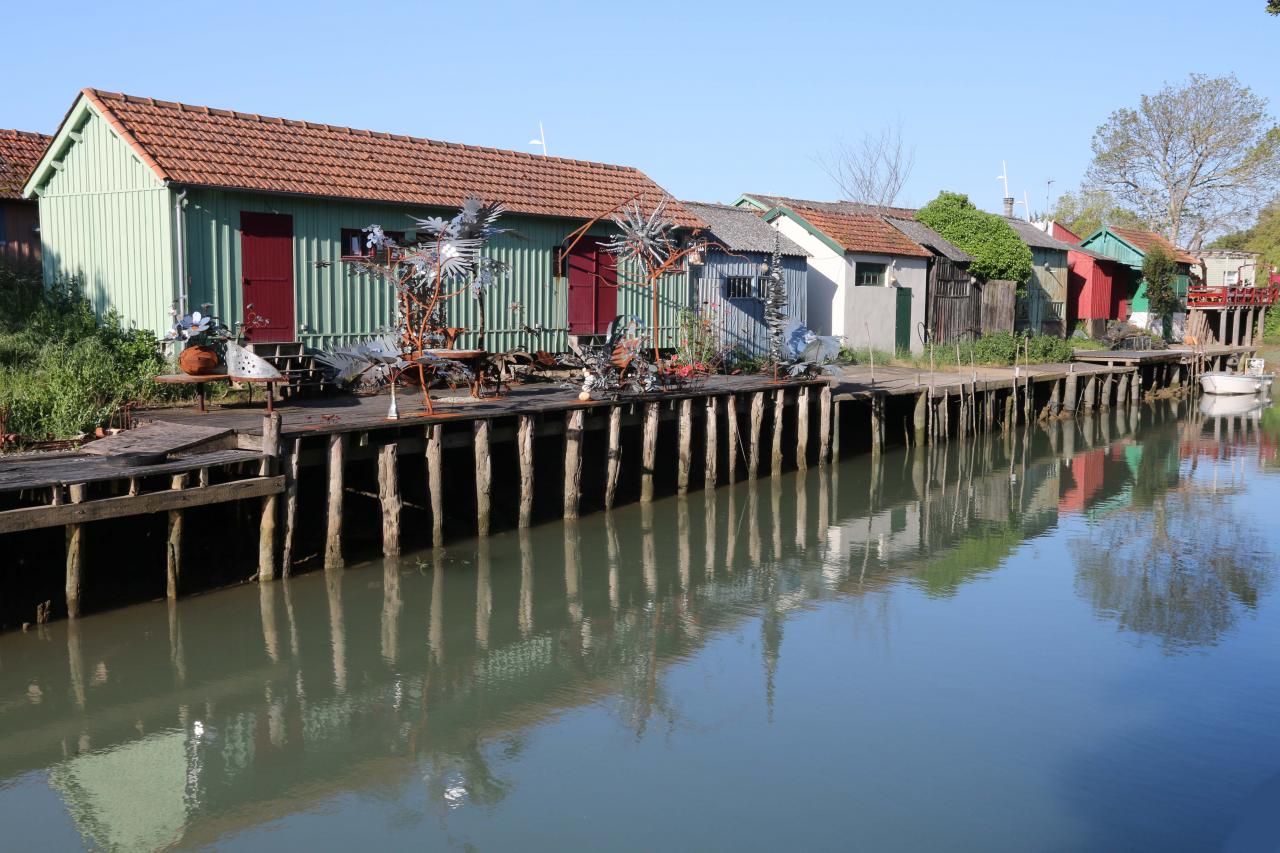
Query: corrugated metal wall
point(106, 220)
point(334, 306)
point(741, 321)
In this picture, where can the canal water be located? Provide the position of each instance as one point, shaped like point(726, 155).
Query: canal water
point(1062, 640)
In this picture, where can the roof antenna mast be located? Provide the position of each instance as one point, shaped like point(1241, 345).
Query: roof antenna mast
point(541, 140)
point(1003, 177)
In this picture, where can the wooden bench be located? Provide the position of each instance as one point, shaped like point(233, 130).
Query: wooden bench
point(200, 381)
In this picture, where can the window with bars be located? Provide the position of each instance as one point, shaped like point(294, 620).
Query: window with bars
point(870, 275)
point(741, 287)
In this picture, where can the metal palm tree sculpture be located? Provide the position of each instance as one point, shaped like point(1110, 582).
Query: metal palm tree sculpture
point(775, 304)
point(648, 240)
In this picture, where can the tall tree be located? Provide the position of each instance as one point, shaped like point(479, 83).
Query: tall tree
point(1088, 210)
point(874, 170)
point(1262, 237)
point(1192, 159)
point(1273, 7)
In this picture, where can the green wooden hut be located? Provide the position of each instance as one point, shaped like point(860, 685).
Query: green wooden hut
point(153, 204)
point(1129, 246)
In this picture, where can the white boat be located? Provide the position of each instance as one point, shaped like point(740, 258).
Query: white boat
point(1231, 405)
point(1255, 380)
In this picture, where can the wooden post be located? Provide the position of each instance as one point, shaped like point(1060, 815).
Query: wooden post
point(270, 503)
point(1055, 398)
point(173, 543)
point(389, 497)
point(711, 442)
point(877, 426)
point(753, 446)
point(573, 423)
point(1091, 394)
point(824, 425)
point(684, 432)
point(435, 481)
point(74, 553)
point(802, 428)
point(484, 474)
point(333, 534)
point(1011, 407)
point(779, 407)
point(731, 421)
point(649, 452)
point(1122, 390)
point(1071, 392)
point(524, 449)
point(835, 430)
point(614, 465)
point(290, 507)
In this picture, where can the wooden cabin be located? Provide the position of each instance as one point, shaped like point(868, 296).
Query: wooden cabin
point(153, 203)
point(1129, 246)
point(1099, 288)
point(19, 217)
point(730, 282)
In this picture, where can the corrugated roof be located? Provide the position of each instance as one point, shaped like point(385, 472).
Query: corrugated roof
point(742, 230)
point(1143, 241)
point(926, 236)
point(221, 148)
point(20, 150)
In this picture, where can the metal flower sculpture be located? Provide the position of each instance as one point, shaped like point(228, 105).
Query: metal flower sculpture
point(447, 261)
point(775, 304)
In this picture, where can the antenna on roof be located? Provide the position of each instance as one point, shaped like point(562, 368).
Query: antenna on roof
point(1026, 205)
point(1003, 177)
point(541, 140)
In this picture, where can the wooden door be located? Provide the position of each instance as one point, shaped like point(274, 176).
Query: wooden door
point(593, 288)
point(266, 275)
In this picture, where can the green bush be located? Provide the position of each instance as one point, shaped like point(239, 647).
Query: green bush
point(1001, 348)
point(62, 372)
point(997, 250)
point(1160, 271)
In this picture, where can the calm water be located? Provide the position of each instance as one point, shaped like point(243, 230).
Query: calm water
point(1064, 642)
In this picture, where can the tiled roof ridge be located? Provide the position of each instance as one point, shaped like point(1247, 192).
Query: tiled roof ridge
point(99, 96)
point(13, 133)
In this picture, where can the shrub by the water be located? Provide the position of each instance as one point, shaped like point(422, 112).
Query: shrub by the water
point(62, 371)
point(1003, 348)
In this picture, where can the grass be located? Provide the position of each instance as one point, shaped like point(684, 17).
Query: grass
point(63, 372)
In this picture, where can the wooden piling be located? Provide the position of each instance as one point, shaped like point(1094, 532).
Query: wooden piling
point(524, 450)
point(173, 543)
point(753, 446)
point(824, 425)
point(735, 442)
point(684, 444)
point(649, 452)
point(1105, 401)
point(484, 474)
point(710, 474)
point(270, 503)
point(1071, 392)
point(435, 481)
point(290, 507)
point(614, 462)
point(389, 498)
point(835, 431)
point(920, 417)
point(573, 428)
point(74, 555)
point(1091, 394)
point(333, 530)
point(802, 428)
point(779, 408)
point(877, 425)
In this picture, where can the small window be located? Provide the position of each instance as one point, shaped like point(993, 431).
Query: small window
point(355, 242)
point(1231, 278)
point(741, 287)
point(870, 275)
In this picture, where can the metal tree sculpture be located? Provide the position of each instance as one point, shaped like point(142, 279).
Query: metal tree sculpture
point(775, 304)
point(447, 261)
point(649, 241)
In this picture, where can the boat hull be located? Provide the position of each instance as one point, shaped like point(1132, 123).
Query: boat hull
point(1235, 383)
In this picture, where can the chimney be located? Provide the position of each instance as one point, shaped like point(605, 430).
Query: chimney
point(1008, 207)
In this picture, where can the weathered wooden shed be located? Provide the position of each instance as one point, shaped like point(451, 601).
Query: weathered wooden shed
point(1044, 310)
point(730, 283)
point(1098, 287)
point(954, 307)
point(150, 203)
point(19, 219)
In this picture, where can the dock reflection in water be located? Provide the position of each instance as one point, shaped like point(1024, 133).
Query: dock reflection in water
point(1053, 635)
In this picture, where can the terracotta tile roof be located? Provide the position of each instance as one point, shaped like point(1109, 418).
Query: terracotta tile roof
point(220, 148)
point(1143, 241)
point(867, 233)
point(19, 153)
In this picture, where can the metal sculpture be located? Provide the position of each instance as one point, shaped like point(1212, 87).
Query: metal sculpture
point(775, 304)
point(617, 366)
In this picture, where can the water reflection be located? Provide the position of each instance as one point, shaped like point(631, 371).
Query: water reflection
point(437, 667)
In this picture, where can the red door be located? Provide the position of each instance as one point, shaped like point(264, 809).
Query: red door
point(266, 261)
point(593, 288)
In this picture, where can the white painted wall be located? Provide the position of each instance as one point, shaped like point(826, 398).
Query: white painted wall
point(1216, 268)
point(826, 281)
point(911, 273)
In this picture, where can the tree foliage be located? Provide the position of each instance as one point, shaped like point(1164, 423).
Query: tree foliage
point(874, 170)
point(1273, 7)
point(1160, 271)
point(1088, 210)
point(1192, 159)
point(999, 252)
point(1263, 237)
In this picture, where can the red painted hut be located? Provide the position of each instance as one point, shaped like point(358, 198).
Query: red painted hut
point(1098, 287)
point(19, 231)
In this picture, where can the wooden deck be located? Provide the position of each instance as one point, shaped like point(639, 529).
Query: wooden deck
point(1155, 356)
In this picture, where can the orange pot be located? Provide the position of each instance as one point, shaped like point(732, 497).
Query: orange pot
point(198, 361)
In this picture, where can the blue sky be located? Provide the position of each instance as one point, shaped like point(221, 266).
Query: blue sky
point(709, 98)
